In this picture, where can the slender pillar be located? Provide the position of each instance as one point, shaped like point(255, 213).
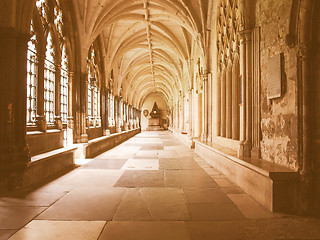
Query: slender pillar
point(218, 104)
point(83, 107)
point(229, 102)
point(248, 142)
point(57, 106)
point(235, 100)
point(40, 118)
point(190, 112)
point(209, 138)
point(70, 124)
point(205, 108)
point(255, 152)
point(14, 151)
point(223, 104)
point(243, 76)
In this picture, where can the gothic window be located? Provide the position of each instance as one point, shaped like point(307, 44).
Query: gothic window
point(111, 101)
point(58, 18)
point(42, 8)
point(93, 90)
point(111, 110)
point(32, 77)
point(228, 44)
point(64, 86)
point(49, 81)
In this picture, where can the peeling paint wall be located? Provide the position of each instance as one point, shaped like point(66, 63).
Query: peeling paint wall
point(279, 126)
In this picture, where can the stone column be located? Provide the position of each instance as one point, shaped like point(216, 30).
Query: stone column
point(223, 104)
point(70, 125)
point(57, 106)
point(218, 104)
point(83, 107)
point(103, 107)
point(190, 91)
point(256, 136)
point(209, 138)
point(229, 102)
point(205, 108)
point(235, 101)
point(248, 142)
point(243, 76)
point(14, 151)
point(40, 118)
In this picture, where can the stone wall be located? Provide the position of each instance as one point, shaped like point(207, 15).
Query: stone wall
point(279, 116)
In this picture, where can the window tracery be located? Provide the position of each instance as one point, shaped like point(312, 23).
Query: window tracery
point(49, 81)
point(228, 45)
point(44, 62)
point(32, 77)
point(64, 86)
point(93, 90)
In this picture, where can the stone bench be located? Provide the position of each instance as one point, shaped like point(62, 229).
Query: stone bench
point(102, 144)
point(272, 185)
point(46, 165)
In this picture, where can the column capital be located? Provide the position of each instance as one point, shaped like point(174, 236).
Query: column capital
point(245, 35)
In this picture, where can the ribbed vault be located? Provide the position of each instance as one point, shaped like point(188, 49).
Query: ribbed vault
point(147, 43)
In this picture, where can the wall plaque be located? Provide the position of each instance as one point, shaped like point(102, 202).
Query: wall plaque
point(275, 76)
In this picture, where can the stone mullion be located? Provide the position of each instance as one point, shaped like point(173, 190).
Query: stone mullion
point(40, 115)
point(229, 103)
point(205, 108)
point(190, 112)
point(14, 151)
point(243, 122)
point(218, 104)
point(57, 97)
point(235, 102)
point(70, 123)
point(83, 107)
point(256, 137)
point(209, 137)
point(248, 142)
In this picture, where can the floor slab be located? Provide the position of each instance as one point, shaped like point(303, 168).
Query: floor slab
point(141, 164)
point(140, 178)
point(17, 217)
point(166, 203)
point(133, 207)
point(60, 230)
point(218, 212)
point(224, 230)
point(105, 164)
point(188, 179)
point(137, 230)
point(208, 195)
point(31, 199)
point(6, 234)
point(86, 203)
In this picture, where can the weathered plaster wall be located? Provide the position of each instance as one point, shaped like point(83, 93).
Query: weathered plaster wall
point(279, 116)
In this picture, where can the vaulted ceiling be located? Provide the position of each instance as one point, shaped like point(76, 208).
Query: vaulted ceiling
point(149, 44)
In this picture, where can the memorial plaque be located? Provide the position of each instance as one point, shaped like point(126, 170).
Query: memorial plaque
point(274, 76)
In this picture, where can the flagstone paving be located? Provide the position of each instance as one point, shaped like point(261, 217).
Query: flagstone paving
point(149, 187)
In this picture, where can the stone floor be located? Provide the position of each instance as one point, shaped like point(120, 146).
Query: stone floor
point(150, 187)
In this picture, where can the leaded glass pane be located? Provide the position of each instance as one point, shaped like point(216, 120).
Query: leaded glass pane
point(32, 77)
point(64, 87)
point(49, 82)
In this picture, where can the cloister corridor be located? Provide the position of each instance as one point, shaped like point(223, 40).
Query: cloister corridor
point(150, 187)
